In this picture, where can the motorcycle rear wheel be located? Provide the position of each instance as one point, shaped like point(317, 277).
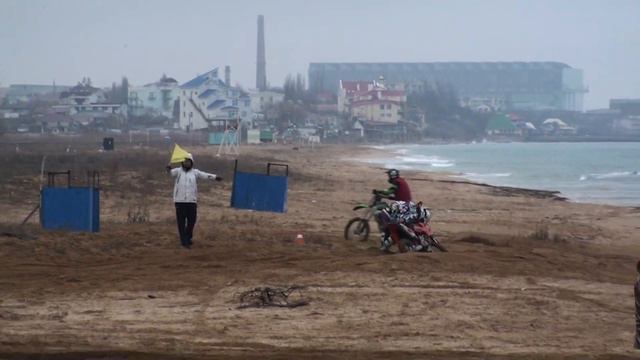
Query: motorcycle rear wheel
point(357, 229)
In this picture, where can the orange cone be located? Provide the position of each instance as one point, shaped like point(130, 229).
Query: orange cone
point(299, 240)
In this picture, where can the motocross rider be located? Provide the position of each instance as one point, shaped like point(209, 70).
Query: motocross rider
point(401, 213)
point(399, 189)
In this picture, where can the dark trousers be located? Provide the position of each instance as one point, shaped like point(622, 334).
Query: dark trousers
point(186, 214)
point(636, 294)
point(636, 342)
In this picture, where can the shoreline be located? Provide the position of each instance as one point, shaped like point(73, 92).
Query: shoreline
point(451, 178)
point(499, 190)
point(454, 178)
point(461, 177)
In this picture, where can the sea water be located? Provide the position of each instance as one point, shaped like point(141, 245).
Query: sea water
point(584, 172)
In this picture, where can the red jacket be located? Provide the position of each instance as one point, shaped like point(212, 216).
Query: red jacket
point(402, 193)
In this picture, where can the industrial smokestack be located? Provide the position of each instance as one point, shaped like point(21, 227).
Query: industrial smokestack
point(227, 75)
point(261, 64)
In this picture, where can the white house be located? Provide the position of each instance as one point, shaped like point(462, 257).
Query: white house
point(207, 98)
point(372, 101)
point(261, 100)
point(155, 99)
point(84, 98)
point(557, 126)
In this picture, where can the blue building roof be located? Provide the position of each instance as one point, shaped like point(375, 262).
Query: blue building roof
point(216, 104)
point(230, 108)
point(199, 80)
point(207, 92)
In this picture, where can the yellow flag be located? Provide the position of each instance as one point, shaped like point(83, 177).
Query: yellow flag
point(179, 154)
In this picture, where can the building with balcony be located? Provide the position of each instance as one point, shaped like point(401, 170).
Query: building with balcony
point(371, 101)
point(207, 100)
point(155, 99)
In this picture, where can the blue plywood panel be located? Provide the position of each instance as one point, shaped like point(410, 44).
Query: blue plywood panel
point(260, 192)
point(72, 208)
point(215, 138)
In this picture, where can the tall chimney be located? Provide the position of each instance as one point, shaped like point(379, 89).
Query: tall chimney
point(227, 75)
point(261, 64)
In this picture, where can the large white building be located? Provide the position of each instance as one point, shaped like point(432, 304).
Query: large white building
point(155, 99)
point(502, 85)
point(207, 99)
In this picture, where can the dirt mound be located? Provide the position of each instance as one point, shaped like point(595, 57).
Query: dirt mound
point(477, 239)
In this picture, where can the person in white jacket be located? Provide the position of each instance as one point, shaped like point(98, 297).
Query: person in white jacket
point(185, 197)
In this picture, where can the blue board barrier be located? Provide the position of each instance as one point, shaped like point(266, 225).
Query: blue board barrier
point(70, 208)
point(215, 138)
point(260, 192)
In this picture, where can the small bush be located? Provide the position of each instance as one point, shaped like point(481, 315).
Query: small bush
point(541, 232)
point(138, 214)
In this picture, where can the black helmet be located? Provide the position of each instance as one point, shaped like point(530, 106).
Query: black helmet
point(393, 173)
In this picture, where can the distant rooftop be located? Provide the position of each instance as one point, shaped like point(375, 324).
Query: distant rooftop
point(79, 90)
point(216, 104)
point(207, 93)
point(624, 101)
point(450, 65)
point(201, 79)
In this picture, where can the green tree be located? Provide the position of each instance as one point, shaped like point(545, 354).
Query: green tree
point(113, 96)
point(445, 117)
point(124, 90)
point(295, 89)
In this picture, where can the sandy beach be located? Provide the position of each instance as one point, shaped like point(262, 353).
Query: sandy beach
point(527, 275)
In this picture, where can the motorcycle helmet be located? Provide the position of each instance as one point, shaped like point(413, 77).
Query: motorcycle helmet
point(393, 173)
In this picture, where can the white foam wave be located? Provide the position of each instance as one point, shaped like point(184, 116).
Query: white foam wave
point(397, 166)
point(434, 161)
point(610, 175)
point(490, 175)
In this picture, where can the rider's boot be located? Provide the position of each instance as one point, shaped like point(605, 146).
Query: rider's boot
point(396, 239)
point(385, 243)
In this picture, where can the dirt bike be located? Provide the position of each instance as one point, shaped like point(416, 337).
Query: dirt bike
point(358, 228)
point(419, 237)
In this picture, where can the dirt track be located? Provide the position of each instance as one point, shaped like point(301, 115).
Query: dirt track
point(131, 292)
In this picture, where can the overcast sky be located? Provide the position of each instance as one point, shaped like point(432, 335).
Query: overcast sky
point(65, 40)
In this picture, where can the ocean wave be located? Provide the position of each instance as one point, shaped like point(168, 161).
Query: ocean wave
point(489, 175)
point(398, 166)
point(434, 161)
point(611, 175)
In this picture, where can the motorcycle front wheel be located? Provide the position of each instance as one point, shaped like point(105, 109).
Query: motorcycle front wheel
point(435, 243)
point(357, 229)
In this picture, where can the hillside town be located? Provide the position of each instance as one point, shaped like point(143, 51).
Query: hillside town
point(341, 102)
